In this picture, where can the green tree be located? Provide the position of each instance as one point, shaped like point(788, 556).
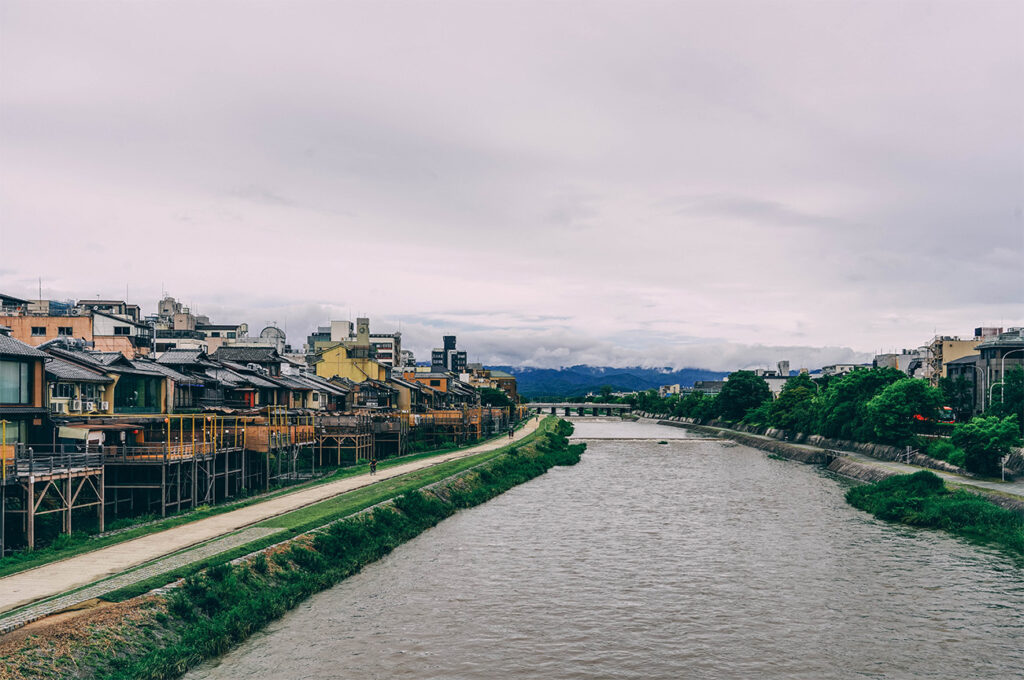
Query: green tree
point(794, 409)
point(959, 395)
point(840, 408)
point(493, 397)
point(895, 414)
point(742, 391)
point(984, 440)
point(606, 392)
point(1008, 396)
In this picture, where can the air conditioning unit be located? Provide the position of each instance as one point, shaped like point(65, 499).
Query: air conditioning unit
point(59, 407)
point(76, 405)
point(104, 405)
point(90, 406)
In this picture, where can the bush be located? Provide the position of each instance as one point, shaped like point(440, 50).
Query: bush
point(922, 500)
point(941, 449)
point(985, 440)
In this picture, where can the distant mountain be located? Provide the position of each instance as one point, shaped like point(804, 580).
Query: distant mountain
point(573, 381)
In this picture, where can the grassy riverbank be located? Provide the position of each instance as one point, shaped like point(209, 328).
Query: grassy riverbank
point(163, 636)
point(922, 500)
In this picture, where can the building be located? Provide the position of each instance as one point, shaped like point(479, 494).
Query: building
point(708, 386)
point(121, 333)
point(116, 307)
point(448, 358)
point(217, 334)
point(22, 394)
point(997, 355)
point(840, 369)
point(909, 361)
point(34, 330)
point(943, 349)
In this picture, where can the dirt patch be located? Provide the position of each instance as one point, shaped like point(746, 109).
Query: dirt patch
point(52, 646)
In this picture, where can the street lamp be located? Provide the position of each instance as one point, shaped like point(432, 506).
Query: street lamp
point(1003, 376)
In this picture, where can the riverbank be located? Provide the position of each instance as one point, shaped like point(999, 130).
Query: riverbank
point(857, 465)
point(52, 587)
point(161, 635)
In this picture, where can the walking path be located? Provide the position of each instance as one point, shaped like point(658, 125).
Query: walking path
point(55, 578)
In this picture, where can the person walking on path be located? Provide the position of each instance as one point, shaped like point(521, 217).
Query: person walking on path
point(511, 432)
point(373, 466)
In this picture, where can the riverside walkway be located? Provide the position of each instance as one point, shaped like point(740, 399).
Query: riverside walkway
point(56, 578)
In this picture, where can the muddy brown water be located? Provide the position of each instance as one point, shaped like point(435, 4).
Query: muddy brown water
point(687, 559)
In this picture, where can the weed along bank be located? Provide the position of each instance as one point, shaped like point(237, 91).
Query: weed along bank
point(207, 608)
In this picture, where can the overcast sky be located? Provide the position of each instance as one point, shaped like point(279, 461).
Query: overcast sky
point(719, 184)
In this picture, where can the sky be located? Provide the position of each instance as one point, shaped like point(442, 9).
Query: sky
point(707, 184)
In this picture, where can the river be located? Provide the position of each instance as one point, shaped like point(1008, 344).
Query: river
point(683, 559)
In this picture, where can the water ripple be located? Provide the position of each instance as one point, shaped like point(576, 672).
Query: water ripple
point(685, 560)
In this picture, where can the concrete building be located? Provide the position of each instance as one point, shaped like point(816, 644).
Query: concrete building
point(448, 357)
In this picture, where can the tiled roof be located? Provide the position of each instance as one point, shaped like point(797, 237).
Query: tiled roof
point(16, 348)
point(246, 354)
point(181, 356)
point(65, 370)
point(152, 366)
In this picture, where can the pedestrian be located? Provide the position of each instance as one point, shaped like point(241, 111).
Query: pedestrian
point(511, 432)
point(373, 466)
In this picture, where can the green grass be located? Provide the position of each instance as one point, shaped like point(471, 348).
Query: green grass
point(922, 500)
point(70, 546)
point(214, 610)
point(316, 515)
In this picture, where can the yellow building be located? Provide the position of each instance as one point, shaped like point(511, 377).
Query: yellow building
point(944, 349)
point(349, 363)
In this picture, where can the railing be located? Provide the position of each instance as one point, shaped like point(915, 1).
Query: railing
point(158, 452)
point(26, 462)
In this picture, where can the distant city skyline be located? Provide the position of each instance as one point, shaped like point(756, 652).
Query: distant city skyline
point(707, 184)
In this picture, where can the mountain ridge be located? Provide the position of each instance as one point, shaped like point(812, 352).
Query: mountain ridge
point(578, 380)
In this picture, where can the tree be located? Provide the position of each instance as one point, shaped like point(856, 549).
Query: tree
point(741, 392)
point(959, 395)
point(1008, 396)
point(492, 397)
point(840, 409)
point(794, 409)
point(984, 440)
point(606, 392)
point(896, 412)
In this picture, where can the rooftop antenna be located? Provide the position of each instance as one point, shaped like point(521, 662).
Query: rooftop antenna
point(40, 289)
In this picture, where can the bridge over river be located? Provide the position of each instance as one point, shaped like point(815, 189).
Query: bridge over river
point(581, 409)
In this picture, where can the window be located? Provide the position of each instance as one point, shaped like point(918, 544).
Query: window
point(231, 334)
point(62, 391)
point(38, 330)
point(89, 392)
point(122, 330)
point(64, 330)
point(215, 334)
point(435, 383)
point(316, 396)
point(14, 382)
point(15, 433)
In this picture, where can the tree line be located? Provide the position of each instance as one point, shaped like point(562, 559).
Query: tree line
point(877, 405)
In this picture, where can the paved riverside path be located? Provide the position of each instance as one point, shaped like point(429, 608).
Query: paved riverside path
point(55, 578)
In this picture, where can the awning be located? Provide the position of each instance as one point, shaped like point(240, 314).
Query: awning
point(73, 433)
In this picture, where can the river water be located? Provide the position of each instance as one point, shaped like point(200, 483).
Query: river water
point(684, 559)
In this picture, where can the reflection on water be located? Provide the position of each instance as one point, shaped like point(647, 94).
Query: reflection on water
point(648, 560)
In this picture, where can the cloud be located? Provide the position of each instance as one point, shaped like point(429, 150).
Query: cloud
point(613, 181)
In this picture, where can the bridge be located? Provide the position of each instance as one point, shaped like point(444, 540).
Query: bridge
point(580, 409)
